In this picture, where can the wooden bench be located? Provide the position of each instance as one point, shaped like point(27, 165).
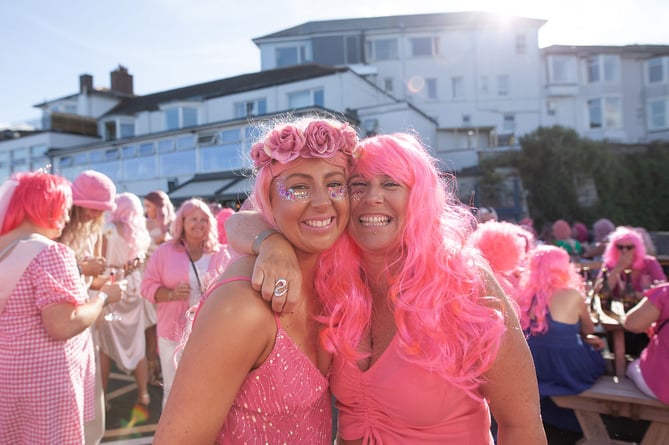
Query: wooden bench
point(621, 398)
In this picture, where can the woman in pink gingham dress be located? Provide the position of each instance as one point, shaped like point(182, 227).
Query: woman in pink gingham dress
point(47, 365)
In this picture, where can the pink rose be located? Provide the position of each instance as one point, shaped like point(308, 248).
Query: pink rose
point(323, 140)
point(349, 139)
point(284, 144)
point(258, 155)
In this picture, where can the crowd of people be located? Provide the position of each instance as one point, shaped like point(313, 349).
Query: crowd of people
point(341, 292)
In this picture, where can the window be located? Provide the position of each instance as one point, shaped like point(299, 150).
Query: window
point(431, 87)
point(605, 112)
point(225, 156)
point(178, 163)
point(186, 142)
point(655, 70)
point(657, 111)
point(140, 167)
point(110, 130)
point(111, 153)
point(248, 108)
point(291, 56)
point(424, 46)
point(509, 123)
point(308, 98)
point(128, 151)
point(165, 146)
point(382, 49)
point(603, 68)
point(180, 117)
point(502, 85)
point(521, 44)
point(458, 86)
point(561, 69)
point(146, 149)
point(466, 120)
point(127, 130)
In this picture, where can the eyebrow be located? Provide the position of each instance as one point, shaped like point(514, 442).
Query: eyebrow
point(328, 175)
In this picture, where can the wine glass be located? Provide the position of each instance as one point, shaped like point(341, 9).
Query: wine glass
point(115, 274)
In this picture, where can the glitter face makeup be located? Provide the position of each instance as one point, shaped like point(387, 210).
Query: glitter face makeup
point(303, 193)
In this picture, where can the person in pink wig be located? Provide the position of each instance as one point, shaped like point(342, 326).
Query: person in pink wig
point(627, 262)
point(47, 357)
point(424, 340)
point(556, 318)
point(121, 329)
point(178, 273)
point(247, 374)
point(505, 246)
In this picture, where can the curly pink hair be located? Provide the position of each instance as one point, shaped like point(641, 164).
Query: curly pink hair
point(435, 284)
point(624, 235)
point(548, 271)
point(211, 244)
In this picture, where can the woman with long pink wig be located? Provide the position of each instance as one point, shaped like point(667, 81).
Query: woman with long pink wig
point(159, 217)
point(47, 356)
point(247, 374)
point(121, 329)
point(560, 332)
point(424, 339)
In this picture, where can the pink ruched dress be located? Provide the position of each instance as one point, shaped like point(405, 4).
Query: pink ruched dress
point(286, 400)
point(395, 402)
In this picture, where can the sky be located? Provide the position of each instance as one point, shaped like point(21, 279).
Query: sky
point(169, 44)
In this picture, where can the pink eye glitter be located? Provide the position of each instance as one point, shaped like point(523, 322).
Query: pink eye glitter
point(292, 194)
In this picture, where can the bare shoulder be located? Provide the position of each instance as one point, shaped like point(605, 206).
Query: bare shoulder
point(236, 303)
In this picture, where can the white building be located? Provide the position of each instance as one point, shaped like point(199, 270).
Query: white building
point(469, 83)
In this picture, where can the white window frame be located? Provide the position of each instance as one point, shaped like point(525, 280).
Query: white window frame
point(431, 88)
point(662, 64)
point(521, 43)
point(458, 87)
point(311, 98)
point(662, 122)
point(419, 42)
point(503, 85)
point(302, 54)
point(373, 50)
point(561, 69)
point(252, 107)
point(610, 110)
point(180, 107)
point(603, 68)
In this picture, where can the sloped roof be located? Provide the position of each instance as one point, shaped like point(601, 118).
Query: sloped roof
point(471, 18)
point(224, 87)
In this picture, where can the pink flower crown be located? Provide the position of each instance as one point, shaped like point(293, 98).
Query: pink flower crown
point(320, 139)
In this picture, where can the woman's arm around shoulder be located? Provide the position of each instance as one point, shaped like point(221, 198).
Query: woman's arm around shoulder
point(233, 333)
point(511, 384)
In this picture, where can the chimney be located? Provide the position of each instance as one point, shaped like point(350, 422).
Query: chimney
point(85, 83)
point(121, 81)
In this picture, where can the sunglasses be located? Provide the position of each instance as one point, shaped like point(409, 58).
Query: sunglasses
point(622, 247)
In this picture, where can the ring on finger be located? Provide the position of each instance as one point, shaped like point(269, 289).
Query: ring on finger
point(280, 287)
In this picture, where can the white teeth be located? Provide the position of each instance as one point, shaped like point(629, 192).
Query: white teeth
point(374, 220)
point(318, 223)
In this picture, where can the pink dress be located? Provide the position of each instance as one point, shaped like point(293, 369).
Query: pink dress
point(286, 400)
point(654, 361)
point(46, 385)
point(395, 402)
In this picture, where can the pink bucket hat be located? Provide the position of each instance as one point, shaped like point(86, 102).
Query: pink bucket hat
point(93, 190)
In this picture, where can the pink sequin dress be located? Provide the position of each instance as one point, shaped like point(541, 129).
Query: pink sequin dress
point(286, 400)
point(46, 385)
point(395, 402)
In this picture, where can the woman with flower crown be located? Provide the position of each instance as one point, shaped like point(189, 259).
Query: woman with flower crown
point(247, 374)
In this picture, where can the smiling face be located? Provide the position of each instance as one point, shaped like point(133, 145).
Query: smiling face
point(310, 205)
point(196, 226)
point(378, 212)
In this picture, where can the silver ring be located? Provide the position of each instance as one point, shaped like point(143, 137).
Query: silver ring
point(280, 287)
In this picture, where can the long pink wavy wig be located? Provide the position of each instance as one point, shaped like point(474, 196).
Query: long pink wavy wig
point(436, 284)
point(186, 208)
point(129, 215)
point(624, 235)
point(548, 271)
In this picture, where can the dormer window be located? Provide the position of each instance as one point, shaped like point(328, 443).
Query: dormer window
point(180, 116)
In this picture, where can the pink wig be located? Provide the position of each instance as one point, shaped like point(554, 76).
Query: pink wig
point(504, 245)
point(548, 271)
point(624, 235)
point(39, 197)
point(561, 230)
point(164, 209)
point(221, 217)
point(186, 209)
point(435, 284)
point(580, 232)
point(130, 217)
point(602, 228)
point(272, 155)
